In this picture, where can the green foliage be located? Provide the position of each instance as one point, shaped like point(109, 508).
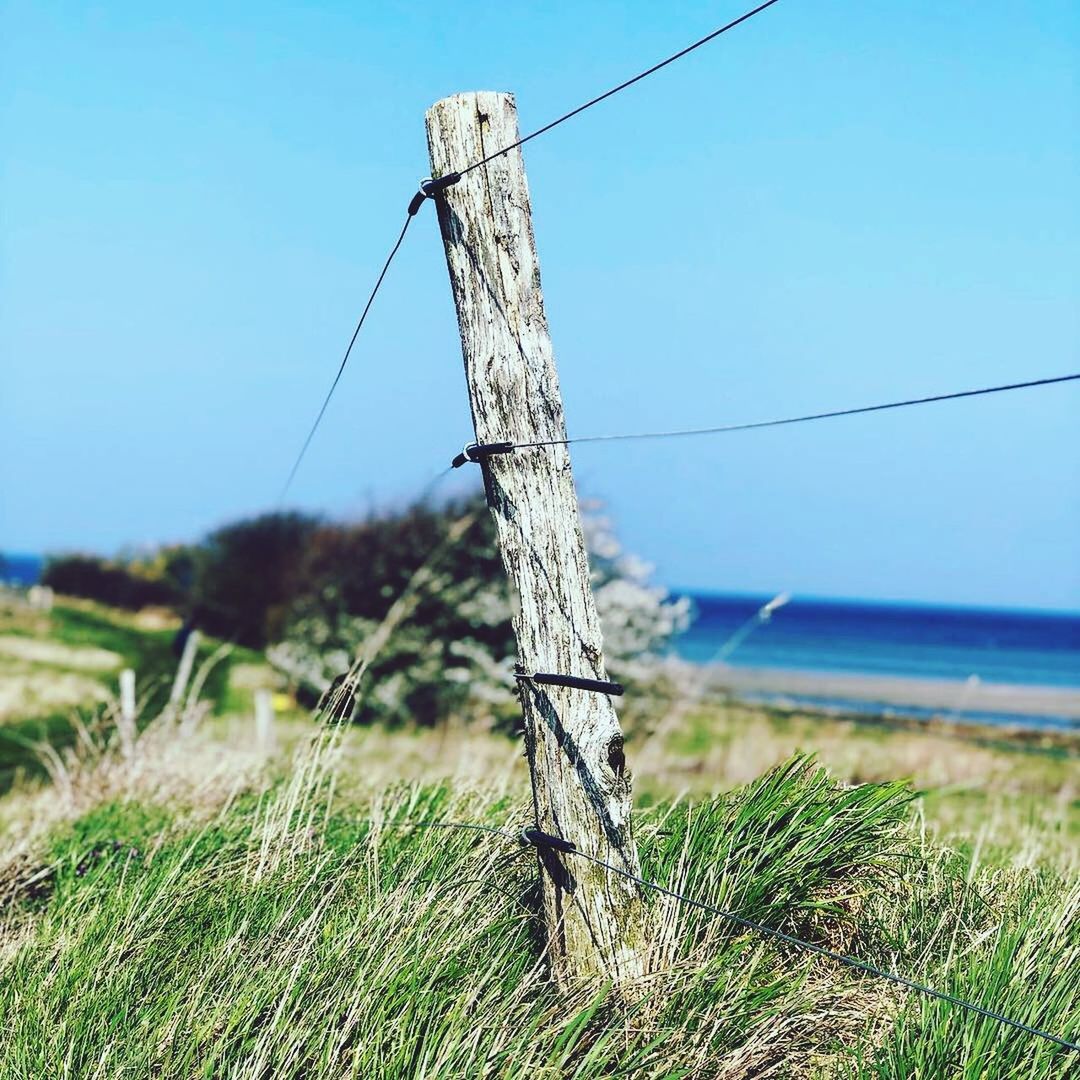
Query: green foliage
point(291, 936)
point(107, 582)
point(450, 656)
point(247, 577)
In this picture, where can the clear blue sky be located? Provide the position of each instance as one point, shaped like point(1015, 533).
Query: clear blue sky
point(835, 204)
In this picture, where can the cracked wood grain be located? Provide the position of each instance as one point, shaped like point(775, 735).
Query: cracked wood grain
point(595, 920)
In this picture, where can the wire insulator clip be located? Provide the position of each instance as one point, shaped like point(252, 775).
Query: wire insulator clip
point(538, 838)
point(429, 188)
point(599, 686)
point(478, 452)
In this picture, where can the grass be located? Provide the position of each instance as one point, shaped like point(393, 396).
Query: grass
point(89, 634)
point(1008, 802)
point(257, 943)
point(200, 909)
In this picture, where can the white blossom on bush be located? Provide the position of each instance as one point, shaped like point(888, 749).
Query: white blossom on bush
point(638, 619)
point(425, 674)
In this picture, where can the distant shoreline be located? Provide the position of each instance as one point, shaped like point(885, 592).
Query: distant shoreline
point(994, 704)
point(754, 600)
point(20, 568)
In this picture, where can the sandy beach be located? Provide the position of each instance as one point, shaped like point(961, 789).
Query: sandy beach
point(945, 695)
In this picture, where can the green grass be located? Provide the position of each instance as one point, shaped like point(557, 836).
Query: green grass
point(148, 652)
point(286, 937)
point(999, 798)
point(195, 911)
point(251, 946)
point(1009, 943)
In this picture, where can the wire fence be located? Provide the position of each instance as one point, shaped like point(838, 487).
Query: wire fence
point(432, 187)
point(345, 359)
point(476, 451)
point(532, 837)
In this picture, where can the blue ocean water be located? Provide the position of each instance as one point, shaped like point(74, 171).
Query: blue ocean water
point(862, 638)
point(21, 569)
point(912, 640)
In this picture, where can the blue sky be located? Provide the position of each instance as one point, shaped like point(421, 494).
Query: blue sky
point(834, 204)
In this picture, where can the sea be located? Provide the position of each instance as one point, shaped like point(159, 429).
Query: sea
point(864, 638)
point(20, 570)
point(913, 641)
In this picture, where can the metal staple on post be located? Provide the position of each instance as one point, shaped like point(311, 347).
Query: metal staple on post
point(596, 924)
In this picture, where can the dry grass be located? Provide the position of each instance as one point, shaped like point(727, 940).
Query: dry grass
point(52, 653)
point(424, 941)
point(181, 904)
point(720, 744)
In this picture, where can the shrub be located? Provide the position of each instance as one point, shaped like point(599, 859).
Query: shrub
point(246, 577)
point(107, 582)
point(451, 655)
point(314, 592)
point(455, 654)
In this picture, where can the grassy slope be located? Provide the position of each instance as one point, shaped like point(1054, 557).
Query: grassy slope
point(81, 627)
point(1015, 802)
point(200, 911)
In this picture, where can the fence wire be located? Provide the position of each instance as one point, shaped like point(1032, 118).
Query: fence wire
point(532, 837)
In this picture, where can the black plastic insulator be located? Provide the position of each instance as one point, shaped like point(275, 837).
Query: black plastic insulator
point(538, 838)
point(441, 183)
point(599, 686)
point(479, 451)
point(430, 188)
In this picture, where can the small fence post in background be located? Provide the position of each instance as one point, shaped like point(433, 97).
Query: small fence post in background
point(41, 597)
point(126, 725)
point(183, 671)
point(264, 721)
point(595, 920)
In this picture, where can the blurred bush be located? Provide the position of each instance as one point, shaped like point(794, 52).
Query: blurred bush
point(246, 577)
point(313, 592)
point(108, 582)
point(455, 655)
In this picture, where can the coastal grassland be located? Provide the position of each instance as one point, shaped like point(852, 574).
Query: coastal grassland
point(1012, 796)
point(202, 908)
point(59, 670)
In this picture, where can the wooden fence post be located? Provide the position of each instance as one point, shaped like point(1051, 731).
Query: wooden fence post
point(183, 670)
point(127, 695)
point(264, 721)
point(595, 920)
point(126, 724)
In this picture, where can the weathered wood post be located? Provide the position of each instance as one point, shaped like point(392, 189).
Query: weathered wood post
point(183, 670)
point(264, 721)
point(595, 920)
point(127, 695)
point(126, 724)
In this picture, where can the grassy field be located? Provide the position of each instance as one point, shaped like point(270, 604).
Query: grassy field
point(201, 907)
point(59, 671)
